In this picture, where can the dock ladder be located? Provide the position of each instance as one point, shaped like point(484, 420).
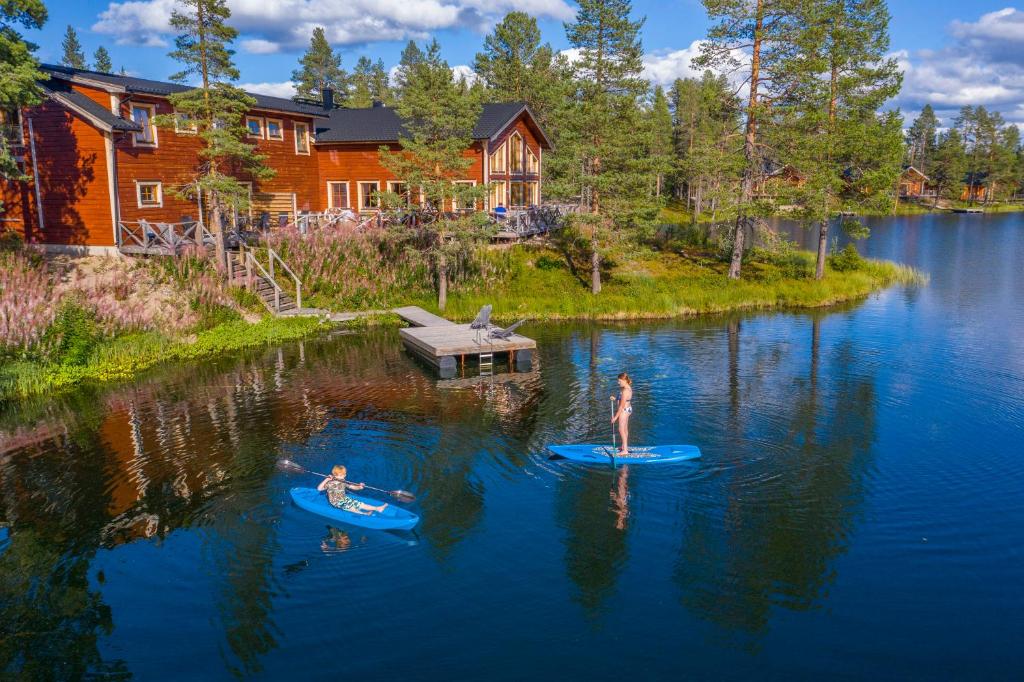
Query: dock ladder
point(487, 363)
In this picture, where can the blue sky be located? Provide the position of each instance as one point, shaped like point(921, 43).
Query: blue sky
point(954, 53)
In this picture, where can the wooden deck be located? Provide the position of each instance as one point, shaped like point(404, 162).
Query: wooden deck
point(446, 345)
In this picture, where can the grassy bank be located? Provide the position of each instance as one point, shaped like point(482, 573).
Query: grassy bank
point(125, 356)
point(677, 213)
point(649, 284)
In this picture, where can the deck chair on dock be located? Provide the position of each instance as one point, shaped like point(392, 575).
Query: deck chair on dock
point(481, 322)
point(507, 332)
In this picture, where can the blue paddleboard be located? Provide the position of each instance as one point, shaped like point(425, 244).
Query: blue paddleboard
point(392, 518)
point(591, 453)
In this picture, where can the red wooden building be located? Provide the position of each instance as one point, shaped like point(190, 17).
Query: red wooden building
point(94, 159)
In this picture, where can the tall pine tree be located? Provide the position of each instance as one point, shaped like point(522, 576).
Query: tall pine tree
point(216, 108)
point(370, 83)
point(603, 130)
point(848, 154)
point(438, 119)
point(73, 55)
point(515, 67)
point(20, 69)
point(922, 138)
point(949, 165)
point(320, 67)
point(661, 147)
point(101, 60)
point(765, 29)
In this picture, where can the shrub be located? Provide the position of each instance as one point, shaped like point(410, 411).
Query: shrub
point(846, 260)
point(74, 334)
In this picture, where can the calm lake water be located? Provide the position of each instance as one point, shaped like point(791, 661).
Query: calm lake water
point(858, 512)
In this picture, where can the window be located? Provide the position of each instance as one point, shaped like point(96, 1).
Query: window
point(498, 158)
point(254, 126)
point(515, 153)
point(143, 114)
point(523, 194)
point(184, 125)
point(532, 163)
point(401, 190)
point(301, 138)
point(367, 196)
point(463, 205)
point(275, 130)
point(337, 194)
point(498, 195)
point(149, 194)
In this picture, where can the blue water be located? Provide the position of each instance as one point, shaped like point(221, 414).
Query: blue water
point(858, 511)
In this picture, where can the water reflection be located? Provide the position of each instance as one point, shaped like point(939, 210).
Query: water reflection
point(156, 508)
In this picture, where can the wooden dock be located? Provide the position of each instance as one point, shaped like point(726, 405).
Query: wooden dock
point(446, 345)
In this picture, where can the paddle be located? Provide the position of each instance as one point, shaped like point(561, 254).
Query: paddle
point(614, 446)
point(288, 465)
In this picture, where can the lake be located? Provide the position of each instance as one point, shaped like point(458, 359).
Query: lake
point(858, 511)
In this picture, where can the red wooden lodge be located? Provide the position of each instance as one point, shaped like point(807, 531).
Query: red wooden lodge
point(95, 161)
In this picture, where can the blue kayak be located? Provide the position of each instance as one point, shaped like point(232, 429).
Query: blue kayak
point(604, 454)
point(392, 518)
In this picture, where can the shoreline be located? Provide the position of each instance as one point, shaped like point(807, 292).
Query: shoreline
point(551, 299)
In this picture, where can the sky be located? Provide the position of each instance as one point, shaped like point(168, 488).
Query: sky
point(953, 53)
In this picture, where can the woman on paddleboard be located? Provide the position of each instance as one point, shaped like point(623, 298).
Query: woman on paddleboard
point(336, 486)
point(624, 410)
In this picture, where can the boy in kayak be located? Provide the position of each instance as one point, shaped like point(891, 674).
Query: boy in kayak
point(625, 409)
point(335, 486)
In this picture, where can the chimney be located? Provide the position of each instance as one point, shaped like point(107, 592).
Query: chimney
point(377, 104)
point(327, 97)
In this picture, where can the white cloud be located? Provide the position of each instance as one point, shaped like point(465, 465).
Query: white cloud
point(661, 68)
point(464, 71)
point(285, 90)
point(269, 26)
point(983, 64)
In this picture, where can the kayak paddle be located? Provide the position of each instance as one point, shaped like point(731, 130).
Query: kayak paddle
point(288, 465)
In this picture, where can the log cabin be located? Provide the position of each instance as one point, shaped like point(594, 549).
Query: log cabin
point(94, 160)
point(913, 184)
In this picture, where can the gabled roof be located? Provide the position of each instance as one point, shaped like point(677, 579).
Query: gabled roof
point(94, 112)
point(908, 168)
point(143, 86)
point(382, 124)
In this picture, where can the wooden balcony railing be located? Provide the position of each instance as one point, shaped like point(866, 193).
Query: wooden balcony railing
point(166, 239)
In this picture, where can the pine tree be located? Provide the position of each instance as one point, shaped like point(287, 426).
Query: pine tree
point(949, 165)
point(767, 29)
point(101, 60)
point(515, 67)
point(73, 55)
point(836, 82)
point(661, 149)
point(604, 128)
point(438, 119)
point(412, 56)
point(922, 138)
point(18, 85)
point(369, 83)
point(216, 109)
point(320, 67)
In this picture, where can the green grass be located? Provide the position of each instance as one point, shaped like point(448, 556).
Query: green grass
point(652, 285)
point(126, 356)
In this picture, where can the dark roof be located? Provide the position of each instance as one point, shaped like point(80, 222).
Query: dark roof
point(100, 114)
point(144, 86)
point(382, 124)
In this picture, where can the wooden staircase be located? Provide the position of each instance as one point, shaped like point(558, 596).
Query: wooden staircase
point(245, 270)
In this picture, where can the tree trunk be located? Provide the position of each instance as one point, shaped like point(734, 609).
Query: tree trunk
point(442, 282)
point(752, 168)
point(217, 223)
point(698, 204)
point(819, 268)
point(595, 267)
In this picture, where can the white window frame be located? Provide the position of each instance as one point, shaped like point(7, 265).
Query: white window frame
point(515, 147)
point(151, 127)
point(280, 128)
point(499, 159)
point(532, 161)
point(408, 192)
point(248, 130)
point(303, 136)
point(330, 193)
point(359, 192)
point(497, 201)
point(455, 203)
point(139, 184)
point(192, 129)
